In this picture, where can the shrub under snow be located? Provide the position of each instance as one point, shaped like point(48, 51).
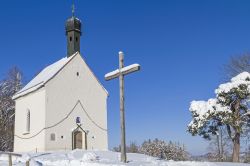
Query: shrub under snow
point(163, 150)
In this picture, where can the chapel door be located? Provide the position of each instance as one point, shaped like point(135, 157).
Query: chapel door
point(78, 140)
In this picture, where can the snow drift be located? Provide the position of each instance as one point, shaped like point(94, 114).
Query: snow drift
point(98, 158)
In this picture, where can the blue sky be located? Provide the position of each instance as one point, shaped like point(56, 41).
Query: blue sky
point(181, 46)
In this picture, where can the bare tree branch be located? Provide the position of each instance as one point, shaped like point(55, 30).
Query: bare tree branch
point(237, 65)
point(8, 87)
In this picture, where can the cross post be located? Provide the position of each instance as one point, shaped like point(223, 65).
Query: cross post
point(121, 72)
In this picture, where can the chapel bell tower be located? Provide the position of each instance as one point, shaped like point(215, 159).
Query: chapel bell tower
point(73, 33)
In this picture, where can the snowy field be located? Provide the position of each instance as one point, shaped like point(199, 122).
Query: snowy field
point(98, 158)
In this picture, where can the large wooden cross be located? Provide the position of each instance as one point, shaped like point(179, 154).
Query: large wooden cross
point(121, 72)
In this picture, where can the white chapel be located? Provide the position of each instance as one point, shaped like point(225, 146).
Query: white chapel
point(64, 107)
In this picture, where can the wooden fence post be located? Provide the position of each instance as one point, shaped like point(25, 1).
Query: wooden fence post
point(28, 163)
point(10, 160)
point(10, 154)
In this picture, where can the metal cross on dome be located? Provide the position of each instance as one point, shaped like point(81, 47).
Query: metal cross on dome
point(121, 72)
point(73, 8)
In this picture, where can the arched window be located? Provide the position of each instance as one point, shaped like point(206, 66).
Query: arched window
point(28, 121)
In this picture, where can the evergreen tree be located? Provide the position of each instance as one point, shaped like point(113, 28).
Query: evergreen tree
point(229, 109)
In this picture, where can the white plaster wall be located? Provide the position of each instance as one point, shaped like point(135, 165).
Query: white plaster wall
point(62, 93)
point(35, 102)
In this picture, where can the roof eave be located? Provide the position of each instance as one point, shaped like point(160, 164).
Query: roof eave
point(95, 76)
point(28, 91)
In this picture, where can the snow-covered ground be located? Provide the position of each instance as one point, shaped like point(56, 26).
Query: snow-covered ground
point(98, 158)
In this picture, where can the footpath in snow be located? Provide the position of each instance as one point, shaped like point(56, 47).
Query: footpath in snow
point(98, 158)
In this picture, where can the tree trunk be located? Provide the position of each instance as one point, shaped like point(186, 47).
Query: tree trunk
point(218, 144)
point(236, 148)
point(221, 144)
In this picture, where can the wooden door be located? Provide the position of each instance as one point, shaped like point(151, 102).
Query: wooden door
point(77, 140)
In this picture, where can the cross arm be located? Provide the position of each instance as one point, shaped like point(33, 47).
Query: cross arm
point(124, 71)
point(130, 69)
point(112, 75)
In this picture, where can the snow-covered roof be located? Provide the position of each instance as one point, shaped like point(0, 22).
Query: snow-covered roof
point(44, 76)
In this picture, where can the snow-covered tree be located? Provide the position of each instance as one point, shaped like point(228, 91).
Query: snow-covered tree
point(163, 150)
point(8, 87)
point(132, 148)
point(229, 109)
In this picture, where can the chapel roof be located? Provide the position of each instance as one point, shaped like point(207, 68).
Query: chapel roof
point(45, 75)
